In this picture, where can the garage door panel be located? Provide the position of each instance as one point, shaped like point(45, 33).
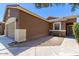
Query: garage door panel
point(11, 30)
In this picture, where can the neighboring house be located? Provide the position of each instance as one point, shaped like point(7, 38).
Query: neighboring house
point(2, 26)
point(62, 26)
point(23, 25)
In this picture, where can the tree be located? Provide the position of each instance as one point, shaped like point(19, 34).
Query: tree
point(76, 31)
point(44, 5)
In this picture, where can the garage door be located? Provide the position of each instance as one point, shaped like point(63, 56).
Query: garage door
point(11, 30)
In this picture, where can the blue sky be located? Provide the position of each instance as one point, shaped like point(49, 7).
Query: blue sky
point(58, 11)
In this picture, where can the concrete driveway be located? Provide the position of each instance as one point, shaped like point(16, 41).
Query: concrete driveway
point(45, 46)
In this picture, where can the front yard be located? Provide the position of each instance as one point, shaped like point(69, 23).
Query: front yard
point(45, 46)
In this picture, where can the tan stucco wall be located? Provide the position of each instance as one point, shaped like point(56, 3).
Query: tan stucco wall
point(20, 35)
point(35, 27)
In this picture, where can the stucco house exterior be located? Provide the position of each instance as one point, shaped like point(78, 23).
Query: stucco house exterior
point(62, 26)
point(23, 25)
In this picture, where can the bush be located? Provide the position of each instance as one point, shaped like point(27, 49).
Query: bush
point(76, 31)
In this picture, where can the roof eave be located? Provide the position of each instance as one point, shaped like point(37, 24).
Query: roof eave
point(31, 13)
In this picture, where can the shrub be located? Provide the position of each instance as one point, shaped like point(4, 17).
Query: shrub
point(76, 31)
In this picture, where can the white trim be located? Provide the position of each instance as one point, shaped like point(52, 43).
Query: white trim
point(31, 13)
point(10, 20)
point(5, 30)
point(58, 30)
point(15, 30)
point(57, 20)
point(57, 23)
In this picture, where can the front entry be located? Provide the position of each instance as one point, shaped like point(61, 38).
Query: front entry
point(69, 31)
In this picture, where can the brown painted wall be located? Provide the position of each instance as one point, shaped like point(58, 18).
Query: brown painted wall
point(51, 26)
point(2, 28)
point(63, 25)
point(34, 26)
point(13, 12)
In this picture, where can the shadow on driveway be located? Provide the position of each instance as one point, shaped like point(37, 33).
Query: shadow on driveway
point(44, 41)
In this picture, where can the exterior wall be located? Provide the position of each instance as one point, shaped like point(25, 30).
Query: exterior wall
point(10, 23)
point(25, 26)
point(63, 25)
point(34, 26)
point(58, 33)
point(12, 12)
point(51, 25)
point(2, 26)
point(63, 30)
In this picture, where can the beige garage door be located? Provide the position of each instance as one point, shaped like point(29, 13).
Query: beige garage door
point(11, 30)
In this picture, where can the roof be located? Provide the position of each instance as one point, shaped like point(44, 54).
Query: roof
point(71, 17)
point(22, 9)
point(63, 18)
point(51, 17)
point(58, 19)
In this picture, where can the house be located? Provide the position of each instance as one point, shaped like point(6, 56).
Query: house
point(62, 26)
point(2, 26)
point(23, 25)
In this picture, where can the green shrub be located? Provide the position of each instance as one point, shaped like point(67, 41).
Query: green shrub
point(76, 31)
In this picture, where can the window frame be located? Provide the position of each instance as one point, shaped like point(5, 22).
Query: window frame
point(57, 23)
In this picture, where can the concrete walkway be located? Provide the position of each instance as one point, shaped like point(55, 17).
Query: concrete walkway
point(68, 47)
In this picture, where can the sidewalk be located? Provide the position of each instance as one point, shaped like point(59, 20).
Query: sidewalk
point(69, 47)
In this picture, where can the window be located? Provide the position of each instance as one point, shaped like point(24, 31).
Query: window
point(57, 26)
